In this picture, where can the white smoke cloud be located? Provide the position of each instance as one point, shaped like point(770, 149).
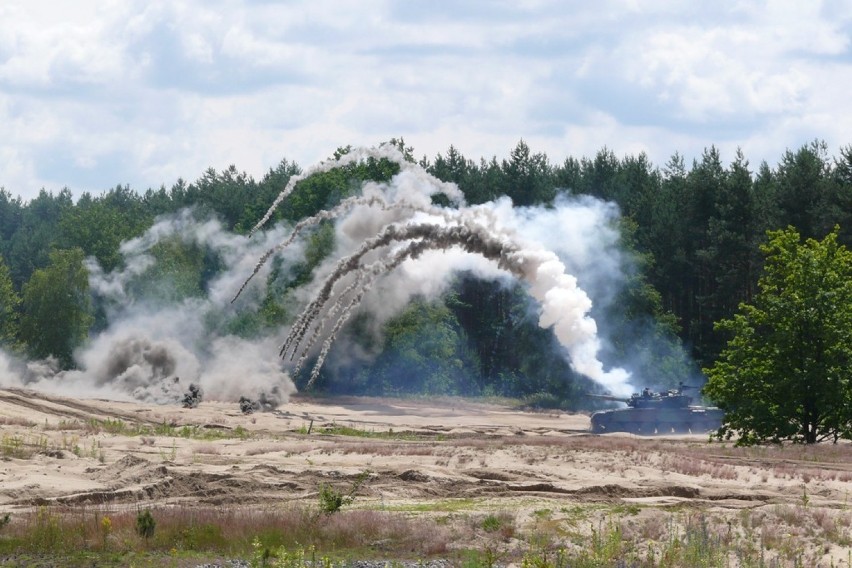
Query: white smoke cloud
point(388, 233)
point(399, 246)
point(152, 350)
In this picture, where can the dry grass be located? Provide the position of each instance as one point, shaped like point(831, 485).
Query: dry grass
point(226, 531)
point(378, 448)
point(207, 449)
point(265, 449)
point(697, 467)
point(16, 421)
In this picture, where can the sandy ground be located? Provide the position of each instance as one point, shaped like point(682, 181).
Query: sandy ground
point(90, 452)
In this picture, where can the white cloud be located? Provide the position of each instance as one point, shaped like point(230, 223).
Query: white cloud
point(96, 93)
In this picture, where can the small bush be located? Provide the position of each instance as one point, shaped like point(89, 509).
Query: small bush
point(145, 524)
point(331, 500)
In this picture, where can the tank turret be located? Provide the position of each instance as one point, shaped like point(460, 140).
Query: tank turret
point(649, 413)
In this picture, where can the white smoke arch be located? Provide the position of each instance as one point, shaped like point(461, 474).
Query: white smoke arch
point(394, 223)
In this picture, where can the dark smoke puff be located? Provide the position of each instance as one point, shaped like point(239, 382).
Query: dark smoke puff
point(129, 361)
point(248, 406)
point(266, 401)
point(142, 351)
point(193, 396)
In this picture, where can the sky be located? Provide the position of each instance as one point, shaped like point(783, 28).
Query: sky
point(99, 93)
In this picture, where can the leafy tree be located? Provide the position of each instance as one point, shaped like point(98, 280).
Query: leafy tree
point(640, 186)
point(705, 183)
point(785, 373)
point(569, 176)
point(600, 176)
point(157, 202)
point(99, 225)
point(424, 351)
point(843, 193)
point(9, 301)
point(665, 237)
point(227, 194)
point(177, 273)
point(265, 193)
point(463, 172)
point(514, 356)
point(56, 308)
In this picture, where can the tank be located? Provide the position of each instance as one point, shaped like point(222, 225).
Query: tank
point(649, 413)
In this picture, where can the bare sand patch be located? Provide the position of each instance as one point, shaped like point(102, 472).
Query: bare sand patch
point(429, 456)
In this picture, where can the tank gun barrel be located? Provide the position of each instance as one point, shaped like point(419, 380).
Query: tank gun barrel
point(608, 397)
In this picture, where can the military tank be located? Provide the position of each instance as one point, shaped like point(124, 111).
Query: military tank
point(649, 413)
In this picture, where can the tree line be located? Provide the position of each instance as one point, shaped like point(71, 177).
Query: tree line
point(695, 232)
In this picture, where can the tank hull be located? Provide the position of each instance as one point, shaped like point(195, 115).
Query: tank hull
point(656, 421)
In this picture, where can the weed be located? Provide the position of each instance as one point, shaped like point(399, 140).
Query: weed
point(491, 523)
point(106, 529)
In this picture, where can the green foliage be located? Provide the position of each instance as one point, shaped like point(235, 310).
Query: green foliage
point(46, 533)
point(9, 302)
point(177, 272)
point(56, 307)
point(513, 355)
point(145, 524)
point(331, 500)
point(785, 374)
point(527, 177)
point(30, 245)
point(491, 523)
point(644, 333)
point(423, 351)
point(99, 225)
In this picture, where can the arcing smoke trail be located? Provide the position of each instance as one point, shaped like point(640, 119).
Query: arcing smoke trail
point(343, 207)
point(424, 237)
point(489, 231)
point(386, 151)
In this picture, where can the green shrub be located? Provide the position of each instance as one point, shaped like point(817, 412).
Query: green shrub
point(145, 524)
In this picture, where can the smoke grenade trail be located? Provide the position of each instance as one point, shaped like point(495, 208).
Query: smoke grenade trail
point(495, 231)
point(384, 151)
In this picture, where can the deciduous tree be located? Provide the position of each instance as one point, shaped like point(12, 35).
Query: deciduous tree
point(56, 307)
point(785, 374)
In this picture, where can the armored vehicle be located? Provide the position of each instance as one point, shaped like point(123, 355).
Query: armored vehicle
point(650, 413)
